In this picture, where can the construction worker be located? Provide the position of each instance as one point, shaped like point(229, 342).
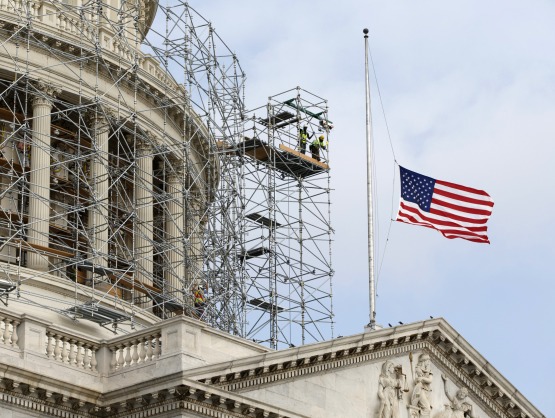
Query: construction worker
point(316, 145)
point(199, 300)
point(303, 139)
point(325, 125)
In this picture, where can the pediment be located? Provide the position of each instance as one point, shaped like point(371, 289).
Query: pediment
point(419, 370)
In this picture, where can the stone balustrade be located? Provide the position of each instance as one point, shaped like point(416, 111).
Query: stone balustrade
point(8, 331)
point(126, 352)
point(61, 346)
point(55, 19)
point(70, 350)
point(77, 351)
point(139, 349)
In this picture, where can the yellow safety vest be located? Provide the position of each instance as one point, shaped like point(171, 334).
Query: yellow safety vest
point(319, 144)
point(199, 297)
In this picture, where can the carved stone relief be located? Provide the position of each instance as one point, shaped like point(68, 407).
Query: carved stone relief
point(420, 404)
point(391, 385)
point(458, 407)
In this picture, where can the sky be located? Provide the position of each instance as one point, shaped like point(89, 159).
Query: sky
point(468, 92)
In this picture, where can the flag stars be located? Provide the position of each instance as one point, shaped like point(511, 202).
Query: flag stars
point(417, 188)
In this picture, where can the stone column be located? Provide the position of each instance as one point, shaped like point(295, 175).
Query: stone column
point(10, 188)
point(174, 229)
point(144, 231)
point(98, 216)
point(39, 177)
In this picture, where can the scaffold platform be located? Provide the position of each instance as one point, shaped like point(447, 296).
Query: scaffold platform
point(266, 306)
point(252, 253)
point(263, 220)
point(283, 158)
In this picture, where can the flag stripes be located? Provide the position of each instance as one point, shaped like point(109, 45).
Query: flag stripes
point(454, 210)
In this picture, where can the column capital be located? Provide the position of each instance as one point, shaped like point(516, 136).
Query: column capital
point(99, 118)
point(177, 168)
point(45, 92)
point(101, 112)
point(145, 143)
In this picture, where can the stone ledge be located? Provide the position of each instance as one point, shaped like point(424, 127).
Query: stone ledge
point(186, 395)
point(435, 336)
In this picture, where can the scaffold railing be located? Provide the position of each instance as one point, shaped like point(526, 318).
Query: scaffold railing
point(287, 227)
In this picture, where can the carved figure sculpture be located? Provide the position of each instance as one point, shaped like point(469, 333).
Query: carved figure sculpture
point(420, 399)
point(389, 391)
point(457, 408)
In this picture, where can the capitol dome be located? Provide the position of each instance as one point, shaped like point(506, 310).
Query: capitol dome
point(106, 172)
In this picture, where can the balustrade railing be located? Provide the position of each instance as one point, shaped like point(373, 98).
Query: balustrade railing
point(137, 350)
point(71, 350)
point(29, 341)
point(76, 26)
point(81, 353)
point(8, 331)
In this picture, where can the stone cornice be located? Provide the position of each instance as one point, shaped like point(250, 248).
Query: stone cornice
point(437, 337)
point(181, 395)
point(152, 88)
point(150, 7)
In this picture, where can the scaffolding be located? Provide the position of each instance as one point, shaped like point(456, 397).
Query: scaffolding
point(127, 181)
point(287, 227)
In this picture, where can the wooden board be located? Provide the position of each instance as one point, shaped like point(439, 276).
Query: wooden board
point(49, 251)
point(304, 157)
point(127, 282)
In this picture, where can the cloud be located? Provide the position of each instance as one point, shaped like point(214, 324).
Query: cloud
point(468, 88)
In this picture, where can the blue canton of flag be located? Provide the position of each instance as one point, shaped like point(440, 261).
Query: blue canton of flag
point(417, 188)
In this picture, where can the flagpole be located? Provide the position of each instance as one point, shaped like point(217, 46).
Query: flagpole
point(371, 280)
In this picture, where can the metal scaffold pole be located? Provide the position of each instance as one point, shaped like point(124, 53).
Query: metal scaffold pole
point(132, 176)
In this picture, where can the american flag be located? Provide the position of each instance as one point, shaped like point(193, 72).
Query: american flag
point(454, 210)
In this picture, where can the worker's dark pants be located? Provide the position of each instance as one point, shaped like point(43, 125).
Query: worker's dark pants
point(199, 309)
point(315, 152)
point(302, 146)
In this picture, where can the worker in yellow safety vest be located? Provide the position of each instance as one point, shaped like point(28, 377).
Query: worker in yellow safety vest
point(303, 139)
point(199, 300)
point(316, 145)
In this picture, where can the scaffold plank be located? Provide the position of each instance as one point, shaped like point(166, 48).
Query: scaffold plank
point(280, 120)
point(254, 252)
point(255, 148)
point(305, 157)
point(42, 249)
point(267, 306)
point(263, 220)
point(283, 158)
point(129, 283)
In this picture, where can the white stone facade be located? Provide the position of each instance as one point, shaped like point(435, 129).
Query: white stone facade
point(183, 368)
